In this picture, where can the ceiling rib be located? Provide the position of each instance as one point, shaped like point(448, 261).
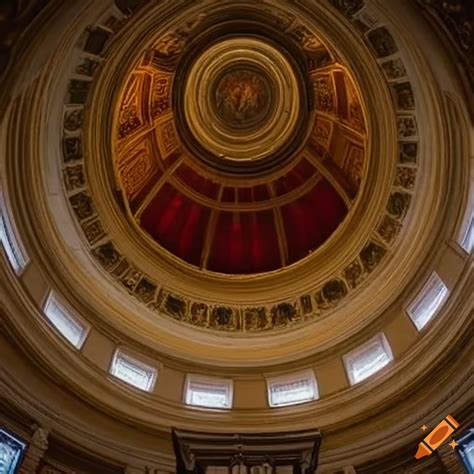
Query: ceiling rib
point(282, 244)
point(149, 197)
point(329, 176)
point(211, 228)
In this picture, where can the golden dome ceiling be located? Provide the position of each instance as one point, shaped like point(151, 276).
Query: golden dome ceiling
point(225, 243)
point(245, 179)
point(243, 206)
point(240, 149)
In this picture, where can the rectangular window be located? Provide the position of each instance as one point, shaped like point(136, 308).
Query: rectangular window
point(132, 371)
point(17, 258)
point(292, 389)
point(11, 453)
point(208, 392)
point(69, 326)
point(368, 359)
point(428, 301)
point(467, 242)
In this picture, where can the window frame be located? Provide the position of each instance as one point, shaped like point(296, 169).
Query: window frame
point(12, 245)
point(205, 379)
point(288, 379)
point(425, 292)
point(22, 448)
point(466, 240)
point(122, 354)
point(349, 357)
point(67, 314)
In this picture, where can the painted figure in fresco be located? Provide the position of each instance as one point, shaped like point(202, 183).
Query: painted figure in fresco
point(241, 95)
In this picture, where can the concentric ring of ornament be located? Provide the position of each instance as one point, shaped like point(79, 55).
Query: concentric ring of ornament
point(242, 99)
point(172, 303)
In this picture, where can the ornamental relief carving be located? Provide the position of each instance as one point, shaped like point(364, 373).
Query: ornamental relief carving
point(354, 274)
point(170, 46)
point(324, 95)
point(160, 94)
point(223, 317)
point(135, 167)
point(389, 229)
point(394, 69)
point(131, 115)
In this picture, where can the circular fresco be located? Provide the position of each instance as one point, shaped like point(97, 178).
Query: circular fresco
point(240, 104)
point(242, 98)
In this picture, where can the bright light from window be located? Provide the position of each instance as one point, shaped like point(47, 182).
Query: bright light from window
point(467, 242)
point(428, 302)
point(11, 451)
point(368, 359)
point(133, 371)
point(66, 324)
point(208, 392)
point(16, 257)
point(292, 389)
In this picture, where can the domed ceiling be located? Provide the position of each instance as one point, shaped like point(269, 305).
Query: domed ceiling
point(255, 170)
point(240, 143)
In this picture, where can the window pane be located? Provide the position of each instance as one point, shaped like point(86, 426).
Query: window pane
point(133, 372)
point(11, 450)
point(69, 326)
point(467, 242)
point(368, 359)
point(292, 389)
point(210, 394)
point(15, 256)
point(428, 302)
